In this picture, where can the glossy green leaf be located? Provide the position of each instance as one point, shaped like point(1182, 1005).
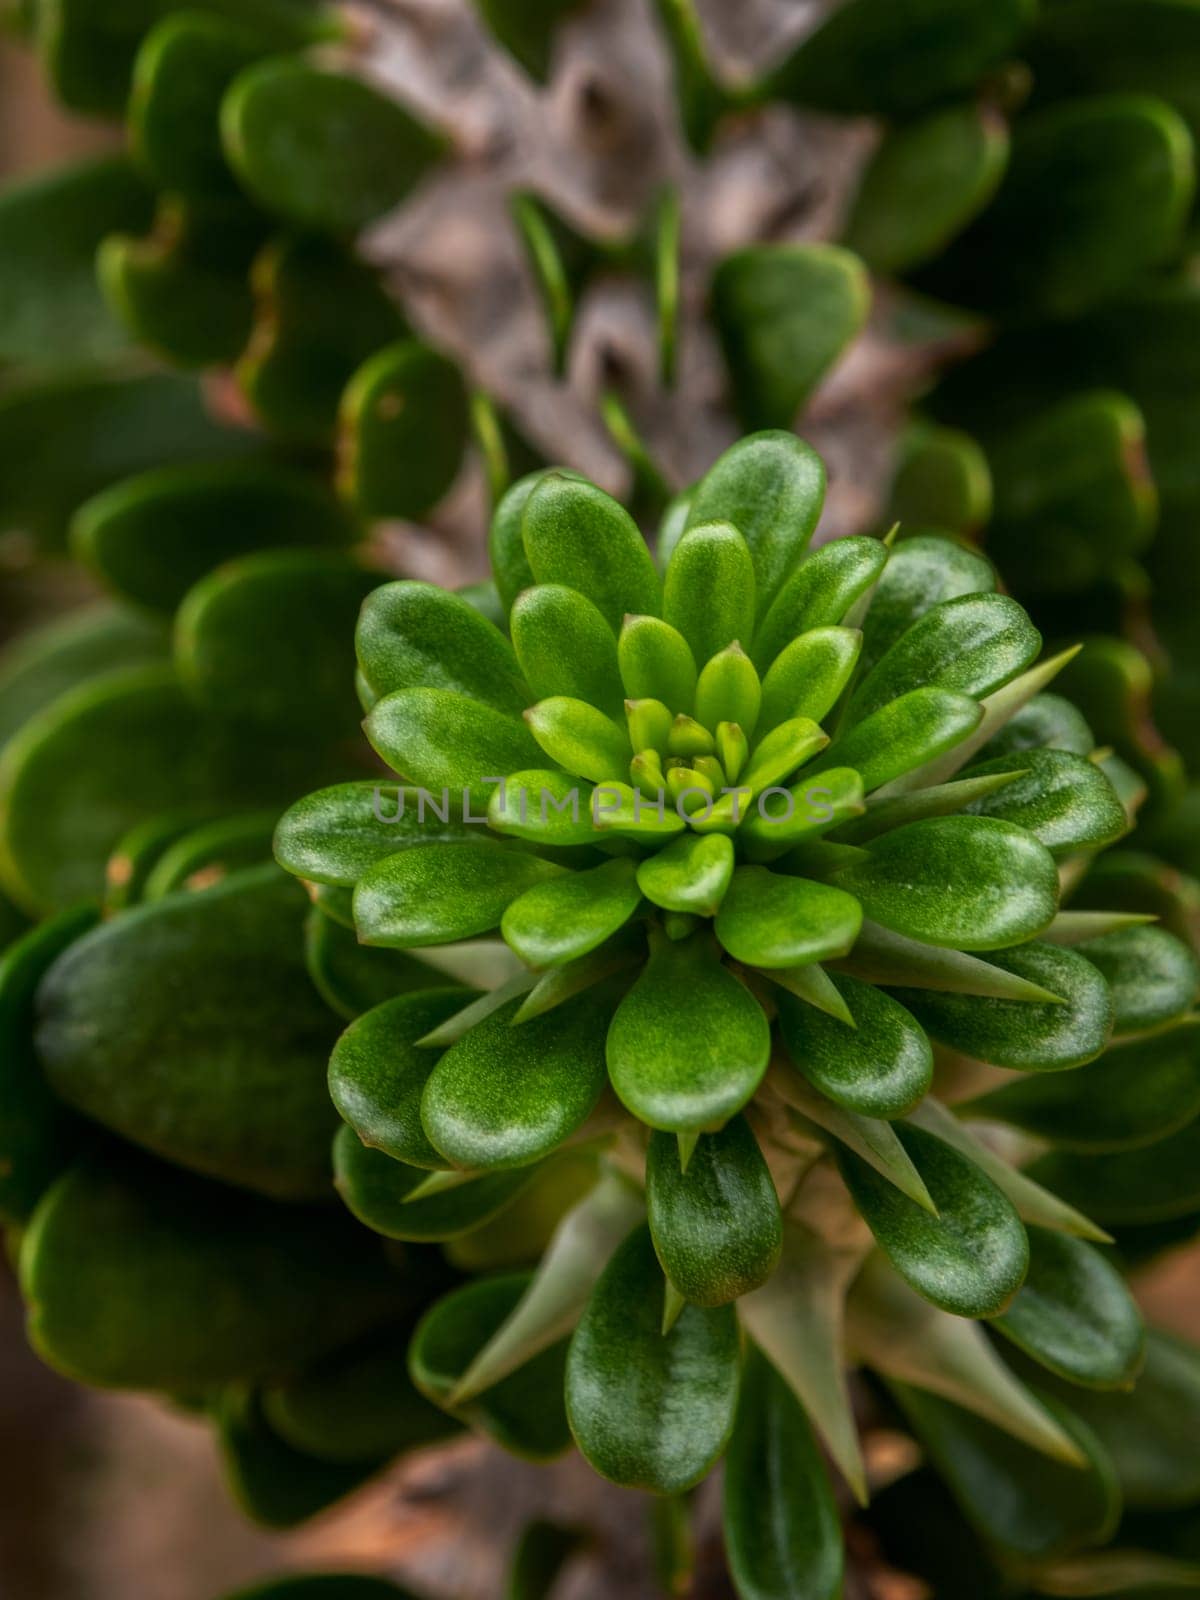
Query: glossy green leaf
point(1046, 722)
point(336, 835)
point(691, 874)
point(403, 427)
point(1016, 1497)
point(265, 640)
point(868, 57)
point(808, 676)
point(377, 1190)
point(969, 1259)
point(580, 738)
point(779, 753)
point(1064, 801)
point(902, 736)
point(415, 635)
point(728, 691)
point(784, 314)
point(569, 917)
point(175, 1023)
point(506, 546)
point(138, 1275)
point(1152, 975)
point(873, 1140)
point(656, 663)
point(1099, 186)
point(566, 647)
point(1030, 1035)
point(921, 573)
point(771, 487)
point(357, 1404)
point(819, 594)
point(768, 920)
point(547, 807)
point(38, 1135)
point(782, 1531)
point(879, 1064)
point(574, 534)
point(354, 978)
point(943, 800)
point(320, 312)
point(323, 150)
point(440, 739)
point(650, 1410)
point(780, 820)
point(708, 593)
point(504, 1096)
point(926, 181)
point(1074, 1315)
point(1133, 1095)
point(50, 228)
point(152, 536)
point(717, 1227)
point(969, 883)
point(688, 1044)
point(523, 1412)
point(378, 1071)
point(442, 893)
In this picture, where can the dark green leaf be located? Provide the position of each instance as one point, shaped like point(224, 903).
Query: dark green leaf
point(716, 1227)
point(1064, 801)
point(1152, 1184)
point(376, 1189)
point(942, 480)
point(328, 1586)
point(650, 1410)
point(880, 1064)
point(1028, 1035)
point(201, 857)
point(273, 1484)
point(969, 1259)
point(526, 29)
point(1074, 1315)
point(783, 1536)
point(1045, 722)
point(1152, 975)
point(403, 427)
point(354, 978)
point(688, 1045)
point(768, 920)
point(920, 573)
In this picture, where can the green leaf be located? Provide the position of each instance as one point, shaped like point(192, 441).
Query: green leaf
point(968, 883)
point(1074, 1315)
point(523, 1412)
point(353, 978)
point(717, 1227)
point(688, 1045)
point(50, 229)
point(767, 920)
point(403, 427)
point(1065, 802)
point(1152, 1184)
point(1031, 1036)
point(566, 647)
point(504, 1096)
point(883, 957)
point(943, 800)
point(969, 1259)
point(506, 546)
point(183, 68)
point(876, 1142)
point(581, 739)
point(656, 663)
point(650, 1410)
point(925, 183)
point(264, 640)
point(571, 916)
point(378, 1072)
point(728, 690)
point(442, 740)
point(38, 1135)
point(1152, 975)
point(574, 534)
point(336, 835)
point(1133, 1095)
point(691, 874)
point(921, 573)
point(320, 312)
point(880, 1064)
point(708, 593)
point(903, 1338)
point(783, 1534)
point(272, 1484)
point(784, 314)
point(417, 636)
point(808, 676)
point(203, 856)
point(811, 808)
point(322, 150)
point(868, 57)
point(822, 591)
point(902, 736)
point(547, 807)
point(1016, 1497)
point(780, 752)
point(972, 645)
point(358, 1404)
point(138, 1275)
point(153, 536)
point(942, 480)
point(377, 1190)
point(175, 1024)
point(441, 893)
point(1100, 188)
point(527, 31)
point(543, 1550)
point(1046, 722)
point(771, 487)
point(559, 1289)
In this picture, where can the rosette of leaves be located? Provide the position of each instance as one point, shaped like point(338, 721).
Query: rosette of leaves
point(781, 845)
